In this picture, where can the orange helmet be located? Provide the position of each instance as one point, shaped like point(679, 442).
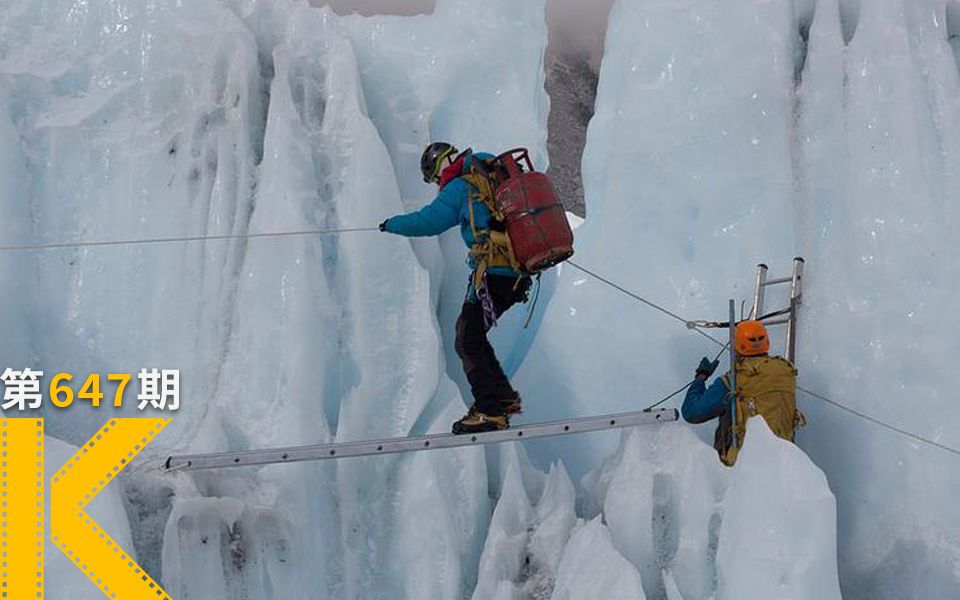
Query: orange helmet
point(751, 339)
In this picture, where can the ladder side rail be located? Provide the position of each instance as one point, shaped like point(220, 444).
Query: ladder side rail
point(759, 292)
point(795, 295)
point(425, 442)
point(733, 371)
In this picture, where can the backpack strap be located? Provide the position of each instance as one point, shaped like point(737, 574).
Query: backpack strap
point(490, 248)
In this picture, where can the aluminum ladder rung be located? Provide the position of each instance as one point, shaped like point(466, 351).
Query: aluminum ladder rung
point(777, 281)
point(193, 462)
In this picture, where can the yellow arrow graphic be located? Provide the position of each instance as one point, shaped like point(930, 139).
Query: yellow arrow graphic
point(74, 532)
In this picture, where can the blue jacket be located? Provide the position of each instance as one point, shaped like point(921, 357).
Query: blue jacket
point(702, 403)
point(449, 208)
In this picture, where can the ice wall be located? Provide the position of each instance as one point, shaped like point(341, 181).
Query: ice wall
point(732, 133)
point(120, 141)
point(17, 346)
point(471, 74)
point(881, 145)
point(687, 174)
point(322, 323)
point(720, 140)
point(112, 134)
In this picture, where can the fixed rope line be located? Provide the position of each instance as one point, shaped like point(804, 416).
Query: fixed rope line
point(689, 383)
point(695, 325)
point(644, 300)
point(333, 231)
point(880, 423)
point(170, 240)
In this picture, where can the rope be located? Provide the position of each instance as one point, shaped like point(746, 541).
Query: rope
point(725, 324)
point(880, 423)
point(645, 301)
point(689, 383)
point(168, 240)
point(695, 326)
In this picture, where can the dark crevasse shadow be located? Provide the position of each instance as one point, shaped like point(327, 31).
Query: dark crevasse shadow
point(804, 20)
point(665, 532)
point(849, 19)
point(953, 30)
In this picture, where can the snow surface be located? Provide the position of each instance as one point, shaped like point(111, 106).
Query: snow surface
point(725, 133)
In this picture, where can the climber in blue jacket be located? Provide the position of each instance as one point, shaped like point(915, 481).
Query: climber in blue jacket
point(500, 286)
point(765, 386)
point(702, 403)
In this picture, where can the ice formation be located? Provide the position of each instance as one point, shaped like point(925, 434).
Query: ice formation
point(827, 129)
point(666, 520)
point(779, 524)
point(592, 568)
point(824, 129)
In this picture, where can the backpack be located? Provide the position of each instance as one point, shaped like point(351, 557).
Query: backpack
point(529, 232)
point(766, 385)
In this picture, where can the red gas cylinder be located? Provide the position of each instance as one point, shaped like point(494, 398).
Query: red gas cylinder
point(536, 223)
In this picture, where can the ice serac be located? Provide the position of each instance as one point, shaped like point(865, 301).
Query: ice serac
point(660, 496)
point(438, 535)
point(778, 538)
point(880, 133)
point(471, 74)
point(525, 541)
point(279, 340)
point(63, 580)
point(688, 177)
point(121, 141)
point(592, 568)
point(508, 535)
point(556, 517)
point(332, 338)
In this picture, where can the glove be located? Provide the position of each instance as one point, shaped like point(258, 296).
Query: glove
point(383, 226)
point(706, 367)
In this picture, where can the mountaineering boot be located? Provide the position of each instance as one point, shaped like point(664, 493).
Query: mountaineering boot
point(512, 405)
point(478, 422)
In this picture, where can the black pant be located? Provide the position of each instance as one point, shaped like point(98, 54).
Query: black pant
point(487, 380)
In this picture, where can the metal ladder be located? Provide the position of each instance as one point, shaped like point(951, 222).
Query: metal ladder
point(245, 458)
point(787, 316)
